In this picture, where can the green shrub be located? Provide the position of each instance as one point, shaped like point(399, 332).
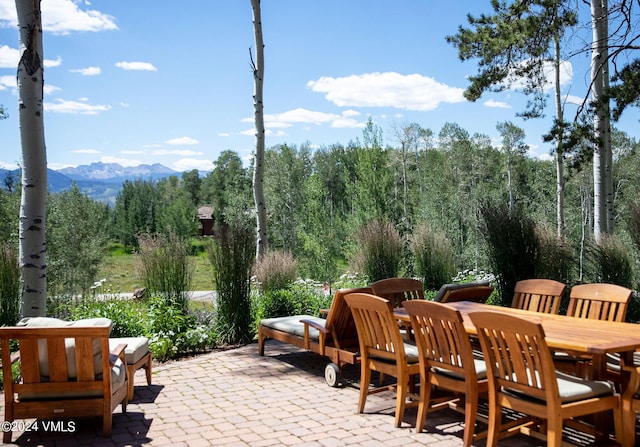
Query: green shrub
point(9, 286)
point(433, 256)
point(275, 270)
point(513, 246)
point(130, 318)
point(231, 255)
point(165, 268)
point(379, 251)
point(608, 261)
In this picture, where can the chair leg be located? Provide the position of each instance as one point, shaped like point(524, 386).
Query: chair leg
point(107, 419)
point(148, 368)
point(495, 417)
point(423, 405)
point(365, 380)
point(470, 414)
point(6, 436)
point(401, 399)
point(554, 432)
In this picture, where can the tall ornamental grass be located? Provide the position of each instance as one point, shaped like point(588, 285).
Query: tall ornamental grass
point(9, 286)
point(165, 268)
point(433, 256)
point(379, 251)
point(276, 270)
point(231, 255)
point(512, 245)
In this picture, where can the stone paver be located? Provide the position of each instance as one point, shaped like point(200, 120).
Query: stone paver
point(237, 398)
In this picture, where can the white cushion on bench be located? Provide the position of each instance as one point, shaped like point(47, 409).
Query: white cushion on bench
point(137, 347)
point(292, 325)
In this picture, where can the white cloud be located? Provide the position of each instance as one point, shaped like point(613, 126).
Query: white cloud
point(182, 141)
point(7, 82)
point(49, 89)
point(61, 17)
point(496, 104)
point(87, 151)
point(9, 57)
point(566, 76)
point(575, 100)
point(184, 153)
point(137, 66)
point(8, 166)
point(131, 152)
point(225, 134)
point(408, 92)
point(188, 164)
point(75, 107)
point(303, 116)
point(88, 71)
point(49, 63)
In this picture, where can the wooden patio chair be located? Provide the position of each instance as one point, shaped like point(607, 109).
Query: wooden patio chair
point(522, 377)
point(334, 336)
point(63, 372)
point(477, 292)
point(538, 295)
point(599, 301)
point(383, 349)
point(447, 362)
point(398, 290)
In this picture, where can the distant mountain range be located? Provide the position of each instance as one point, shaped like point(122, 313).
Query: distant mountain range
point(100, 181)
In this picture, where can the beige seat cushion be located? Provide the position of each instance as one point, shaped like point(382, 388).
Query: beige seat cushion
point(137, 347)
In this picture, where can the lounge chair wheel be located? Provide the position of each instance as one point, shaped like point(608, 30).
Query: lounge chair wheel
point(332, 374)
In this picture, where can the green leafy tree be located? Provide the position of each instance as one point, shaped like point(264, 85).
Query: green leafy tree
point(192, 185)
point(176, 211)
point(514, 148)
point(76, 240)
point(228, 189)
point(135, 211)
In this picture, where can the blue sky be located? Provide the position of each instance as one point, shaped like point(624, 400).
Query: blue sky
point(145, 81)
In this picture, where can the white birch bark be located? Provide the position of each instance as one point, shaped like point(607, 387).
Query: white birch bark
point(559, 148)
point(34, 159)
point(599, 71)
point(258, 167)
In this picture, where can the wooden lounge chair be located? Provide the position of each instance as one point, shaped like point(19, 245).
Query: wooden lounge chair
point(398, 290)
point(334, 337)
point(65, 371)
point(478, 292)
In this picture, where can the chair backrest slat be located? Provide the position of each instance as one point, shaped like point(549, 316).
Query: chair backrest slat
point(599, 301)
point(398, 290)
point(516, 354)
point(440, 336)
point(538, 295)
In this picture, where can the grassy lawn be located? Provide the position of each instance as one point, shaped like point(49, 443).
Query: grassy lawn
point(121, 275)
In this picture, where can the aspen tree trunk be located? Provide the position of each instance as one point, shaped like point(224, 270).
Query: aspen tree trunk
point(258, 167)
point(34, 160)
point(559, 149)
point(601, 168)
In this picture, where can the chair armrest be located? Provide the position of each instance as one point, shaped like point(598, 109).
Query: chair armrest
point(322, 336)
point(118, 352)
point(324, 312)
point(315, 325)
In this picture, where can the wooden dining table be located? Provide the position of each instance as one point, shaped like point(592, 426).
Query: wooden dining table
point(579, 335)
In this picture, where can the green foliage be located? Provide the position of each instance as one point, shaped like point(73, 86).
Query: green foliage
point(512, 246)
point(609, 262)
point(433, 256)
point(9, 286)
point(129, 317)
point(76, 241)
point(379, 251)
point(165, 268)
point(556, 259)
point(275, 270)
point(231, 255)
